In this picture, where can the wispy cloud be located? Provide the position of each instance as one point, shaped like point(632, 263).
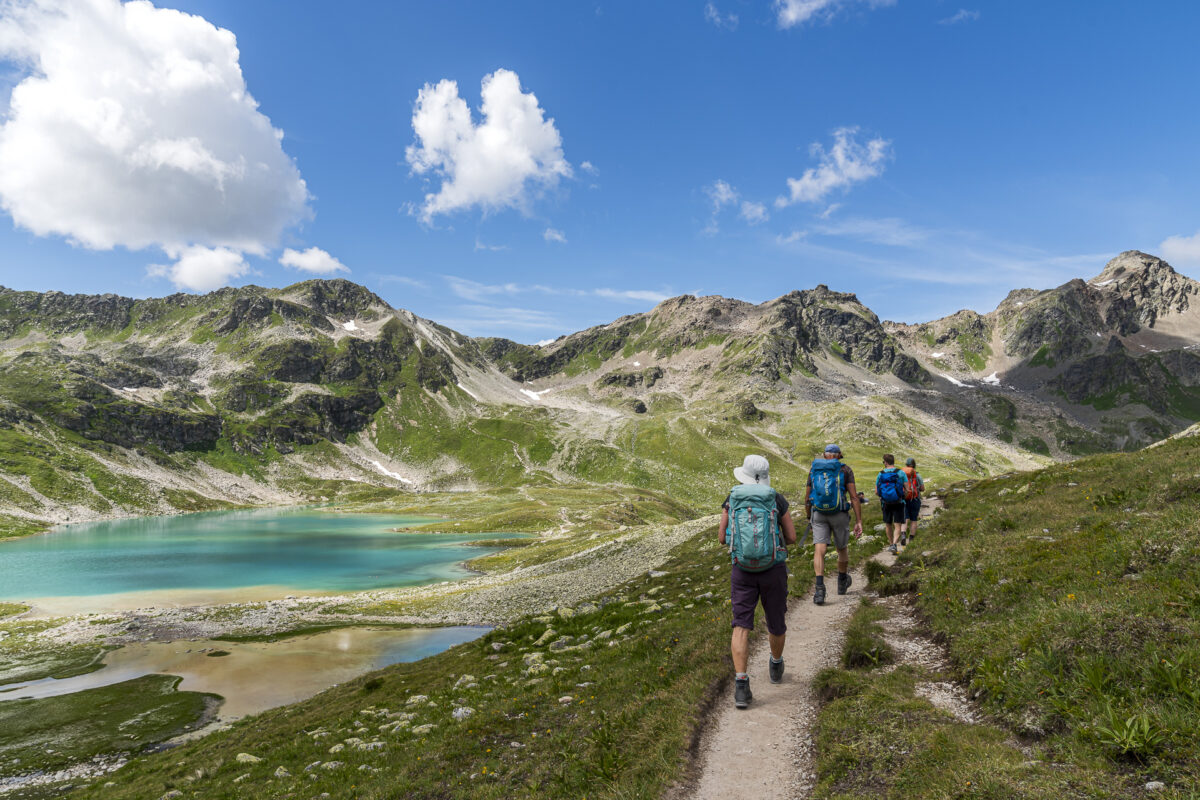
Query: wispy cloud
point(844, 164)
point(489, 248)
point(552, 235)
point(589, 168)
point(1181, 251)
point(791, 13)
point(889, 231)
point(401, 279)
point(963, 15)
point(631, 294)
point(713, 14)
point(477, 292)
point(482, 320)
point(720, 195)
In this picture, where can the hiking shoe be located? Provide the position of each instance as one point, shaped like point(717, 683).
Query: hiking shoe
point(819, 594)
point(741, 692)
point(775, 670)
point(844, 581)
point(904, 540)
point(892, 549)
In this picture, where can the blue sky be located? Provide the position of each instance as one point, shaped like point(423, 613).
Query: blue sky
point(927, 156)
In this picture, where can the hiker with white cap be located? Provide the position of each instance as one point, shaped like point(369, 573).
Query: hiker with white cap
point(829, 496)
point(759, 528)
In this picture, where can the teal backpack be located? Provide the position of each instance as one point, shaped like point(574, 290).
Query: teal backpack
point(828, 486)
point(754, 538)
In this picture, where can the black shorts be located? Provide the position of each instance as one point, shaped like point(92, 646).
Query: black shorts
point(769, 586)
point(893, 512)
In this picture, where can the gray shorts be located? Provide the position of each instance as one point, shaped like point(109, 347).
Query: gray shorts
point(836, 525)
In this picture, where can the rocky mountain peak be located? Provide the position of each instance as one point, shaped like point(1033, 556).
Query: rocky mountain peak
point(1130, 263)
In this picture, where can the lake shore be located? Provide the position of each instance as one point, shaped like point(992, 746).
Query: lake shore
point(589, 568)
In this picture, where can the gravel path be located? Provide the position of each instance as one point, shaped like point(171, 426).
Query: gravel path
point(766, 751)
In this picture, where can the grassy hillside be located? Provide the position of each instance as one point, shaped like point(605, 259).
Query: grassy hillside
point(1069, 602)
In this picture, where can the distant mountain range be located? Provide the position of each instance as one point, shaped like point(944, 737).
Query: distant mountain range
point(113, 406)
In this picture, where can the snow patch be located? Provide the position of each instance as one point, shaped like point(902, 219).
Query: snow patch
point(1099, 334)
point(936, 355)
point(638, 364)
point(993, 379)
point(868, 383)
point(350, 326)
point(1105, 283)
point(1020, 303)
point(534, 395)
point(389, 473)
point(468, 391)
point(955, 381)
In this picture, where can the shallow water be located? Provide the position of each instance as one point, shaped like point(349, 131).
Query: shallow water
point(300, 550)
point(256, 676)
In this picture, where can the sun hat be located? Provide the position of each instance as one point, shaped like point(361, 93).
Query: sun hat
point(910, 462)
point(833, 448)
point(754, 469)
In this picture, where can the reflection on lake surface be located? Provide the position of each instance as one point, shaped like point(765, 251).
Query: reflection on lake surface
point(305, 550)
point(256, 676)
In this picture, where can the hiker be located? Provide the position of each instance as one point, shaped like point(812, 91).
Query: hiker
point(829, 496)
point(913, 488)
point(760, 528)
point(889, 487)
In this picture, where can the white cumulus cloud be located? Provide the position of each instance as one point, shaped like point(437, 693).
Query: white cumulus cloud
point(132, 126)
point(314, 260)
point(552, 235)
point(1182, 251)
point(496, 163)
point(202, 269)
point(791, 13)
point(847, 162)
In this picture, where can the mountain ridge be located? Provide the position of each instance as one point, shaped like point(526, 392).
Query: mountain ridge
point(254, 395)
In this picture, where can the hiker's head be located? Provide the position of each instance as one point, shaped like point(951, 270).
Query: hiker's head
point(754, 469)
point(910, 462)
point(889, 459)
point(833, 451)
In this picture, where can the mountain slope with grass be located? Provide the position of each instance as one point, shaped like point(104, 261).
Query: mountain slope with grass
point(1068, 605)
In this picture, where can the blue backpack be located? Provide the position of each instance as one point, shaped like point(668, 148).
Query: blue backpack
point(754, 539)
point(890, 490)
point(828, 486)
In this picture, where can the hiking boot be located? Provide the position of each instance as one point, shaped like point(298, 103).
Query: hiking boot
point(892, 549)
point(819, 594)
point(741, 692)
point(775, 670)
point(904, 540)
point(844, 581)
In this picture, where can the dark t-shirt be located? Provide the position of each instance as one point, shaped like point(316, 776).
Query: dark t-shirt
point(781, 503)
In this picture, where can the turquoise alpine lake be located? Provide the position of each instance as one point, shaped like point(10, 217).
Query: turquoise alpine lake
point(307, 550)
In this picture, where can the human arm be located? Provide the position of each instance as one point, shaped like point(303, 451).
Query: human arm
point(788, 527)
point(723, 525)
point(856, 504)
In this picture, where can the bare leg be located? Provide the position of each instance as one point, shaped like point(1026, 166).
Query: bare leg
point(740, 648)
point(777, 644)
point(912, 528)
point(819, 558)
point(843, 560)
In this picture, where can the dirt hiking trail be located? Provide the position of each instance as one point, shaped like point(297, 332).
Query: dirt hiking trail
point(767, 751)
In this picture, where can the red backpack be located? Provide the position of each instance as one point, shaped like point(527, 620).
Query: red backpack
point(912, 490)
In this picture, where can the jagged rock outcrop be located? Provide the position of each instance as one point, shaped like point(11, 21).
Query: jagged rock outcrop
point(1139, 288)
point(805, 323)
